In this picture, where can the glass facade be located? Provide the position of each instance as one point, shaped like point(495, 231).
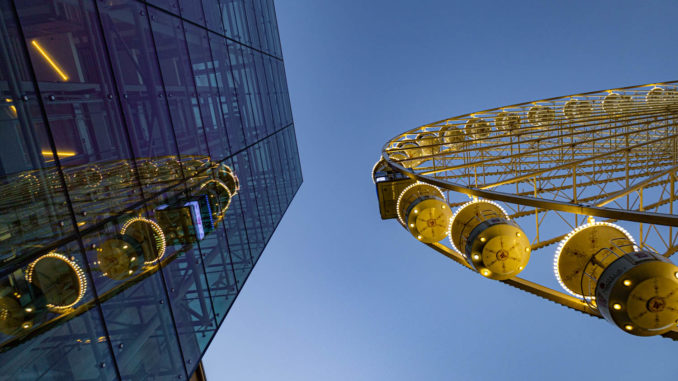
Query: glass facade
point(147, 154)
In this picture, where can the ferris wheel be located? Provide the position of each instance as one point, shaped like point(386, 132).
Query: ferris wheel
point(587, 180)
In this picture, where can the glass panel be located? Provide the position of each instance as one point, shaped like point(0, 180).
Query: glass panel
point(183, 269)
point(239, 232)
point(252, 31)
point(287, 110)
point(81, 103)
point(179, 86)
point(273, 75)
point(294, 155)
point(208, 93)
point(259, 171)
point(241, 80)
point(277, 51)
point(32, 200)
point(171, 6)
point(130, 46)
point(261, 18)
point(253, 100)
point(297, 161)
point(283, 179)
point(274, 89)
point(235, 23)
point(141, 328)
point(228, 93)
point(276, 182)
point(191, 303)
point(50, 325)
point(192, 10)
point(213, 15)
point(262, 95)
point(219, 268)
point(249, 196)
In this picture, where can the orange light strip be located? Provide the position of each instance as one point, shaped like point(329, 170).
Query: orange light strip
point(50, 60)
point(49, 156)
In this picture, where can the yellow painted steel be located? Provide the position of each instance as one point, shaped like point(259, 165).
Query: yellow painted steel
point(423, 210)
point(589, 245)
point(642, 300)
point(500, 251)
point(470, 215)
point(557, 162)
point(481, 232)
point(429, 220)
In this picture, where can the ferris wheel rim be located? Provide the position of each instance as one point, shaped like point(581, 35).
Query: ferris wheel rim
point(583, 209)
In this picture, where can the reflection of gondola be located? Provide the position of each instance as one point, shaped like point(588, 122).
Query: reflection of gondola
point(60, 278)
point(22, 305)
point(188, 220)
point(182, 221)
point(89, 177)
point(119, 257)
point(226, 174)
point(193, 167)
point(219, 195)
point(55, 283)
point(149, 237)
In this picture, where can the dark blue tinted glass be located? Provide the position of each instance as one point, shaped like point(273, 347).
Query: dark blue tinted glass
point(192, 10)
point(242, 79)
point(219, 267)
point(81, 105)
point(177, 76)
point(190, 301)
point(208, 93)
point(142, 332)
point(130, 43)
point(171, 6)
point(240, 226)
point(235, 20)
point(145, 161)
point(213, 15)
point(32, 200)
point(228, 92)
point(51, 325)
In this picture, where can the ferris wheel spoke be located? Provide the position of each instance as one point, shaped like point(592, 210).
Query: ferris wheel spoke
point(602, 161)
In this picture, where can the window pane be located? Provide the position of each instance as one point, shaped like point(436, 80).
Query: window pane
point(227, 93)
point(32, 198)
point(241, 70)
point(177, 78)
point(171, 6)
point(208, 93)
point(51, 325)
point(192, 10)
point(240, 224)
point(213, 15)
point(81, 104)
point(130, 43)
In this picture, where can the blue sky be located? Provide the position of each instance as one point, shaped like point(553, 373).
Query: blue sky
point(340, 294)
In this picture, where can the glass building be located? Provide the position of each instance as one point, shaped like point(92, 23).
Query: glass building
point(147, 154)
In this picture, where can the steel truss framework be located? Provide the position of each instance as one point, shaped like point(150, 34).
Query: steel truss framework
point(555, 164)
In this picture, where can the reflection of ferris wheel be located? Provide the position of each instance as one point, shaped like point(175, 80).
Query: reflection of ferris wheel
point(588, 179)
